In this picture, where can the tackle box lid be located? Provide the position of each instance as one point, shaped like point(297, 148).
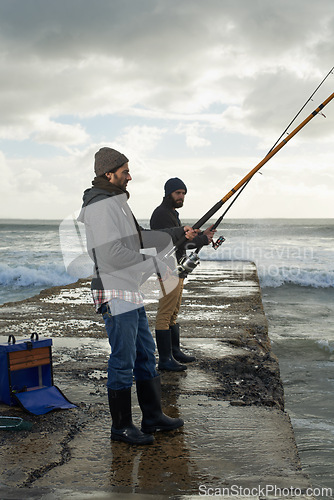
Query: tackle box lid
point(43, 400)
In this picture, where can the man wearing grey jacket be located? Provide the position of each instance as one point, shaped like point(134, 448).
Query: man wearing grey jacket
point(116, 245)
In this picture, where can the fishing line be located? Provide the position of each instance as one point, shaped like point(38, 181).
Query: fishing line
point(301, 109)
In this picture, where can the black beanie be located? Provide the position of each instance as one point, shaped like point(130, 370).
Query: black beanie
point(173, 185)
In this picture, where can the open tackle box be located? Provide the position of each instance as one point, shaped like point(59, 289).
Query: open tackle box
point(26, 376)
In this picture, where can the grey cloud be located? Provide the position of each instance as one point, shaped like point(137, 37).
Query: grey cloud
point(156, 29)
point(85, 58)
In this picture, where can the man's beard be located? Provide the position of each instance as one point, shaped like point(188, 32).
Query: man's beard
point(177, 204)
point(119, 183)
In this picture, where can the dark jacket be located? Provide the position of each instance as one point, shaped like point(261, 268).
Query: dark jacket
point(165, 216)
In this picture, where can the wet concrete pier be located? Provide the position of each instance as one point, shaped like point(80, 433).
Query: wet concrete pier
point(237, 440)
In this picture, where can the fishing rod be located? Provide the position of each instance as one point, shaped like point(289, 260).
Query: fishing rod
point(218, 221)
point(221, 239)
point(189, 263)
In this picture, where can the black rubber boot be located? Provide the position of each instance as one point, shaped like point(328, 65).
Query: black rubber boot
point(177, 353)
point(149, 398)
point(166, 359)
point(123, 428)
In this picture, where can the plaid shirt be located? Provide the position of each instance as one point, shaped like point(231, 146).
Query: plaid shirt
point(102, 296)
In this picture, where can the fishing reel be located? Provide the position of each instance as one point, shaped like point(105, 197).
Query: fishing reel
point(216, 244)
point(187, 264)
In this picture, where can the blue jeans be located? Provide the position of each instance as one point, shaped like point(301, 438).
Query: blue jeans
point(132, 346)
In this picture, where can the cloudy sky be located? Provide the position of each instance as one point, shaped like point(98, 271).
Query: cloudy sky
point(195, 89)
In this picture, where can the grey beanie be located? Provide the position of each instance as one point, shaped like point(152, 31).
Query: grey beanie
point(107, 160)
point(173, 185)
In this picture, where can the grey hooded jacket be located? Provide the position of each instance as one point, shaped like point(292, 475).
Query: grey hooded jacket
point(116, 244)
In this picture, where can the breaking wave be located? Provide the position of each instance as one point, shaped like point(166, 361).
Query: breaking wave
point(23, 276)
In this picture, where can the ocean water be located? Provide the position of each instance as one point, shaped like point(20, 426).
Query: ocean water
point(295, 262)
point(30, 258)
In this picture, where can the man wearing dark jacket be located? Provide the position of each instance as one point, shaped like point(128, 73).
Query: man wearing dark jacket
point(116, 245)
point(167, 329)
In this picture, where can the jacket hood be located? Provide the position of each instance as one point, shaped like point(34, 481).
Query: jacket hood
point(94, 194)
point(101, 189)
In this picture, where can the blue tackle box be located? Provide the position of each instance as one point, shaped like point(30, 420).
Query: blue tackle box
point(26, 376)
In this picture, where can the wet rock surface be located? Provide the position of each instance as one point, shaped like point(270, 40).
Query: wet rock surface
point(231, 398)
